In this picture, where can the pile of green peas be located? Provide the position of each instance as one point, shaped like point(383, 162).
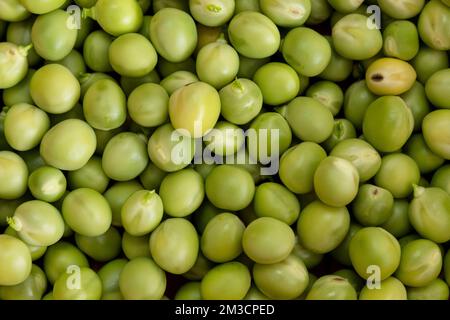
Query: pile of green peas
point(91, 193)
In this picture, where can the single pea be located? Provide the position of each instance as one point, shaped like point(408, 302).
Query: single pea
point(225, 139)
point(401, 40)
point(152, 177)
point(203, 215)
point(36, 252)
point(173, 34)
point(212, 13)
point(425, 159)
point(177, 80)
point(398, 173)
point(200, 268)
point(436, 290)
point(267, 240)
point(68, 145)
point(373, 246)
point(20, 34)
point(104, 105)
point(86, 3)
point(343, 130)
point(24, 126)
point(322, 228)
point(166, 68)
point(117, 17)
point(13, 10)
point(417, 102)
point(135, 247)
point(189, 291)
point(403, 9)
point(43, 6)
point(221, 240)
point(205, 35)
point(389, 76)
point(174, 245)
point(20, 93)
point(331, 173)
point(142, 212)
point(328, 93)
point(249, 66)
point(74, 62)
point(89, 288)
point(341, 252)
point(87, 212)
point(373, 205)
point(13, 64)
point(408, 238)
point(434, 24)
point(91, 175)
point(435, 131)
point(47, 184)
point(86, 26)
point(339, 67)
point(320, 12)
point(332, 287)
point(254, 294)
point(132, 55)
point(436, 86)
point(298, 165)
point(128, 84)
point(307, 51)
point(389, 289)
point(388, 123)
point(292, 13)
point(228, 281)
point(104, 247)
point(398, 223)
point(15, 261)
point(96, 51)
point(345, 6)
point(429, 213)
point(352, 277)
point(61, 258)
point(428, 61)
point(32, 288)
point(309, 119)
point(254, 35)
point(229, 187)
point(109, 274)
point(13, 174)
point(158, 5)
point(88, 79)
point(51, 36)
point(116, 196)
point(441, 178)
point(169, 150)
point(247, 5)
point(357, 99)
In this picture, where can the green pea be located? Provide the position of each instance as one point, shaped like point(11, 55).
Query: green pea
point(142, 212)
point(371, 247)
point(20, 34)
point(109, 274)
point(429, 213)
point(343, 130)
point(15, 261)
point(47, 184)
point(43, 6)
point(341, 252)
point(54, 89)
point(407, 239)
point(104, 247)
point(309, 258)
point(225, 139)
point(293, 13)
point(177, 4)
point(13, 174)
point(96, 51)
point(246, 5)
point(356, 101)
point(87, 212)
point(398, 173)
point(354, 40)
point(418, 150)
point(255, 294)
point(152, 177)
point(134, 247)
point(52, 38)
point(200, 268)
point(435, 130)
point(177, 80)
point(249, 66)
point(88, 288)
point(332, 287)
point(434, 24)
point(86, 3)
point(104, 105)
point(352, 277)
point(373, 205)
point(189, 291)
point(228, 281)
point(389, 289)
point(116, 196)
point(13, 10)
point(117, 17)
point(128, 84)
point(267, 240)
point(441, 178)
point(60, 258)
point(68, 145)
point(33, 159)
point(417, 102)
point(241, 101)
point(333, 224)
point(403, 9)
point(345, 6)
point(173, 34)
point(221, 240)
point(398, 223)
point(308, 56)
point(88, 79)
point(36, 252)
point(203, 215)
point(428, 61)
point(174, 245)
point(20, 93)
point(91, 175)
point(213, 13)
point(254, 35)
point(435, 88)
point(169, 150)
point(13, 64)
point(320, 12)
point(32, 288)
point(229, 187)
point(339, 67)
point(132, 55)
point(298, 164)
point(401, 40)
point(388, 123)
point(74, 63)
point(166, 68)
point(329, 94)
point(85, 28)
point(436, 290)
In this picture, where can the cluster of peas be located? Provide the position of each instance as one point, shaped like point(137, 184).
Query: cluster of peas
point(93, 204)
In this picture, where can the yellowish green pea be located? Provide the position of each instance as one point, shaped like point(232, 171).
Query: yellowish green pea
point(332, 287)
point(135, 247)
point(389, 289)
